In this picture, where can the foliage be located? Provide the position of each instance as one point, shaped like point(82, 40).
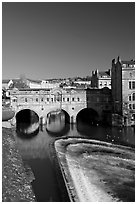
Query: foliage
point(19, 84)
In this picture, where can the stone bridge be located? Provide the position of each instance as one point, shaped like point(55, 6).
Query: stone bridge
point(43, 101)
point(89, 104)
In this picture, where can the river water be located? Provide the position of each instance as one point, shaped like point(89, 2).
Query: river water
point(38, 152)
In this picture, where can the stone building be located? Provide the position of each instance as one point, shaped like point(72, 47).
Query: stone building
point(100, 100)
point(44, 101)
point(6, 83)
point(34, 84)
point(101, 79)
point(50, 84)
point(123, 90)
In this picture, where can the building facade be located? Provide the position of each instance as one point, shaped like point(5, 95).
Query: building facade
point(123, 89)
point(101, 79)
point(100, 100)
point(6, 83)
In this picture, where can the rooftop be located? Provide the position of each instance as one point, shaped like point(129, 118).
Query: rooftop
point(131, 62)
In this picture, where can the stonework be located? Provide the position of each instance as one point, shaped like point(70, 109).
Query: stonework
point(101, 101)
point(72, 101)
point(101, 79)
point(43, 101)
point(123, 90)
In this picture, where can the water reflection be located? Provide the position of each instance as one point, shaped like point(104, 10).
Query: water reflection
point(56, 122)
point(117, 135)
point(25, 130)
point(38, 152)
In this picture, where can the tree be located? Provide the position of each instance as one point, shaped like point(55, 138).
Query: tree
point(19, 84)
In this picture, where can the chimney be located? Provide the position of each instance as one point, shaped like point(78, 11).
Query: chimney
point(97, 72)
point(92, 73)
point(109, 72)
point(113, 62)
point(118, 59)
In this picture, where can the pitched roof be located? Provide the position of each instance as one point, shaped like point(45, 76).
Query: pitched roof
point(131, 62)
point(5, 80)
point(34, 81)
point(105, 74)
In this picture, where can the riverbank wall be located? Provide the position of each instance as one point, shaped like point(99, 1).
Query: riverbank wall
point(16, 177)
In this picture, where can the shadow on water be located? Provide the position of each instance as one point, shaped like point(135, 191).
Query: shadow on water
point(45, 183)
point(117, 135)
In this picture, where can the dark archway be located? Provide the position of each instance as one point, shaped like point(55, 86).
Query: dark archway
point(88, 116)
point(27, 116)
point(27, 122)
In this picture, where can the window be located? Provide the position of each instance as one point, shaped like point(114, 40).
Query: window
point(48, 99)
point(133, 96)
point(131, 84)
point(73, 99)
point(129, 98)
point(133, 117)
point(130, 106)
point(37, 99)
point(133, 105)
point(25, 99)
point(42, 99)
point(63, 99)
point(78, 99)
point(52, 99)
point(67, 99)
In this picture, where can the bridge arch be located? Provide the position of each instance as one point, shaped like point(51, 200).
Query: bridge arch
point(57, 122)
point(66, 114)
point(27, 122)
point(26, 116)
point(88, 115)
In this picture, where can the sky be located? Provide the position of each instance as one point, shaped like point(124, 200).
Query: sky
point(43, 40)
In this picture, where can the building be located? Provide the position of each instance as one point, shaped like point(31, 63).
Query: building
point(6, 83)
point(50, 84)
point(101, 79)
point(100, 100)
point(34, 84)
point(123, 89)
